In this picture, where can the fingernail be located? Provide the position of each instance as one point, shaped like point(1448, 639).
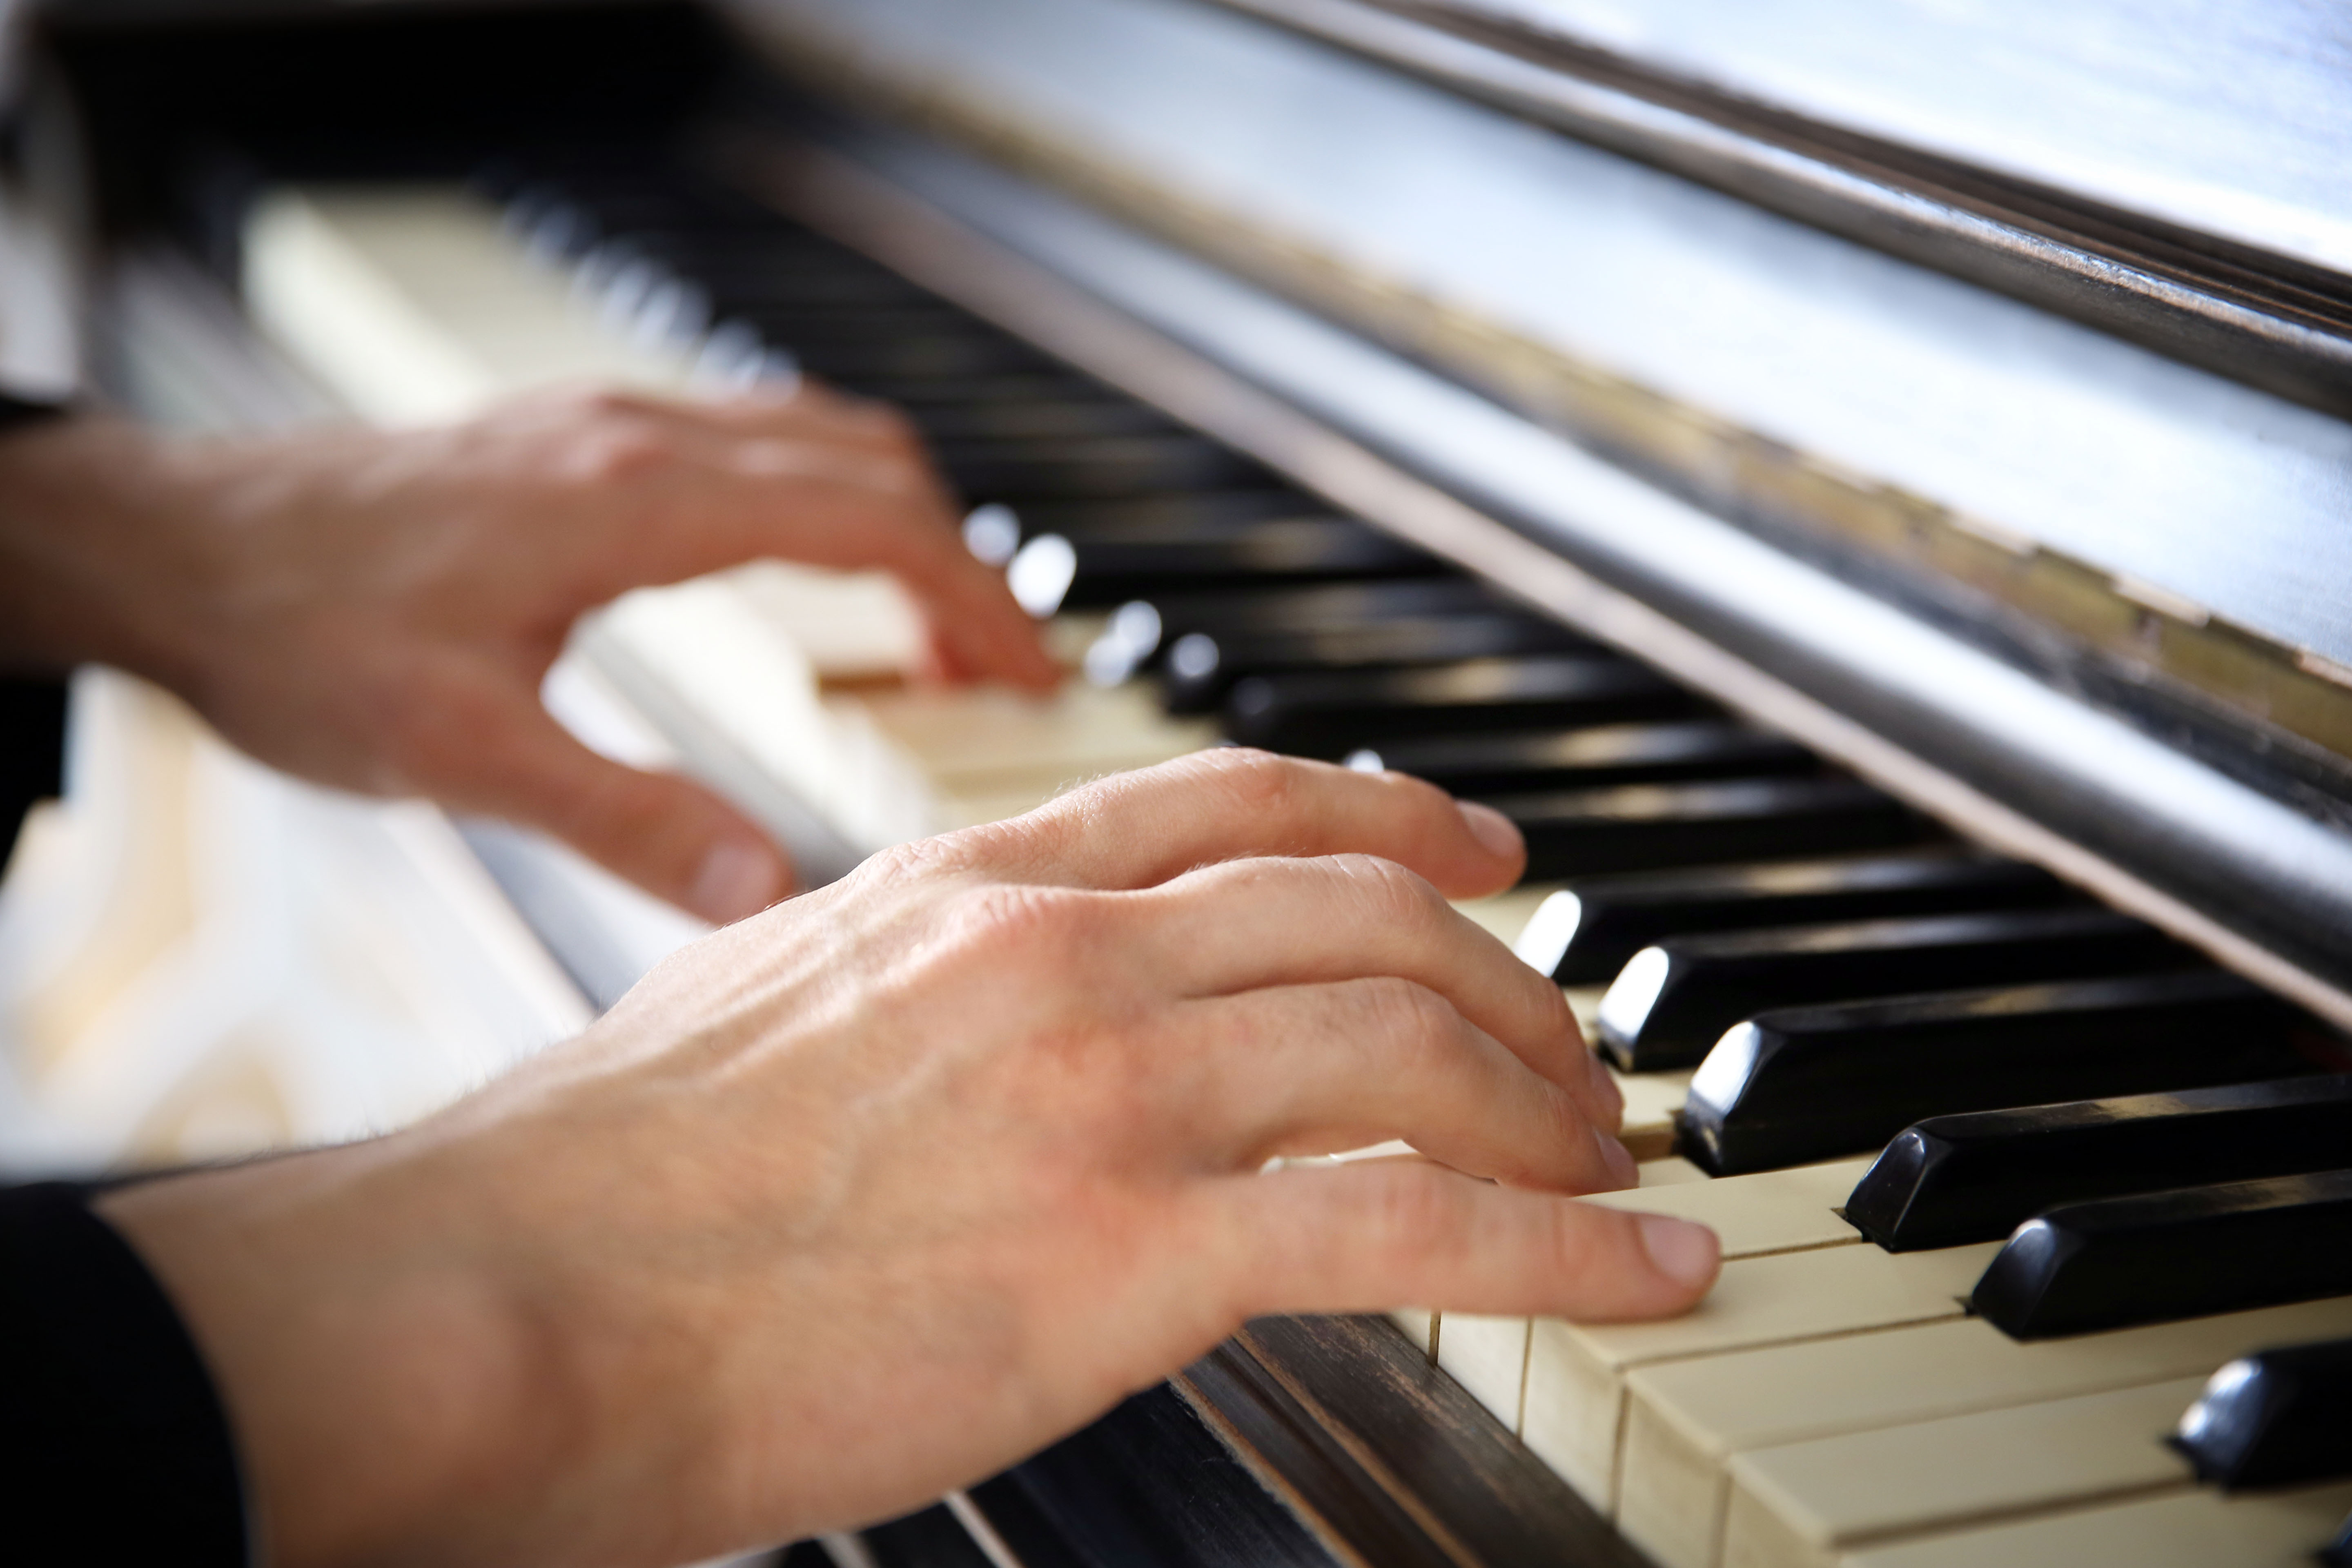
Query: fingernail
point(1492, 830)
point(1618, 1158)
point(1685, 1253)
point(736, 880)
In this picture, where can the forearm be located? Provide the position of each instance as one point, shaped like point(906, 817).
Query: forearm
point(92, 515)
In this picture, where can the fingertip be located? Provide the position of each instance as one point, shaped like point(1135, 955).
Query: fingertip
point(1496, 834)
point(1616, 1159)
point(1689, 1255)
point(738, 878)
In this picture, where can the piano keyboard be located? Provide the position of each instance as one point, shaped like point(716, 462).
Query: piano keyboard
point(1785, 966)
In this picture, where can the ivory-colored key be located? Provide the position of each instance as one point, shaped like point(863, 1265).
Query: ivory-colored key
point(1574, 1403)
point(1800, 1505)
point(1685, 1421)
point(1774, 1211)
point(1488, 1357)
point(2185, 1529)
point(1651, 1099)
point(1670, 1171)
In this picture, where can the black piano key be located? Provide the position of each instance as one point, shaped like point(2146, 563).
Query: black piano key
point(855, 360)
point(1328, 713)
point(2156, 1257)
point(2276, 1418)
point(1344, 602)
point(1013, 470)
point(1202, 667)
point(1586, 933)
point(1814, 1083)
point(1055, 420)
point(2337, 1553)
point(1673, 1001)
point(1949, 1180)
point(1629, 827)
point(1171, 517)
point(1107, 568)
point(1522, 761)
point(1138, 633)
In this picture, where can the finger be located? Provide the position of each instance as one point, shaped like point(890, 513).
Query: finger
point(831, 504)
point(1240, 924)
point(1138, 830)
point(1387, 1233)
point(496, 751)
point(1310, 1068)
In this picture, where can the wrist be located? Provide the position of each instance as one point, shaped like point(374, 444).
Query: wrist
point(103, 554)
point(390, 1392)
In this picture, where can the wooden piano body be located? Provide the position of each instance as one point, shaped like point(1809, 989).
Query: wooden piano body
point(2019, 502)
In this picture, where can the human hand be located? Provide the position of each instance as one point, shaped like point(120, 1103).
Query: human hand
point(375, 610)
point(879, 1191)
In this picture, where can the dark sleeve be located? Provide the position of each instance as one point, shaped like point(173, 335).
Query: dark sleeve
point(32, 706)
point(118, 1450)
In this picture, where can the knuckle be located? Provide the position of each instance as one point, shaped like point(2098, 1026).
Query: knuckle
point(1257, 781)
point(1024, 923)
point(1413, 1217)
point(1393, 894)
point(1410, 1012)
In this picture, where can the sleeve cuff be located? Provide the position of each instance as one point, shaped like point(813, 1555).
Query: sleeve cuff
point(122, 1450)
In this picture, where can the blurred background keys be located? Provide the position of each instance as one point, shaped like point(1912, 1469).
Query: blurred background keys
point(1586, 932)
point(1639, 827)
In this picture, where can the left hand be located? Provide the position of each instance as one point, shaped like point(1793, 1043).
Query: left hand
point(376, 610)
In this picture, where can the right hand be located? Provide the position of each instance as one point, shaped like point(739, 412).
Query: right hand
point(879, 1191)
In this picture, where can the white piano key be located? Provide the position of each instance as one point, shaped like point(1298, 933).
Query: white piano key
point(1771, 1211)
point(2185, 1529)
point(1685, 1421)
point(1775, 1211)
point(1488, 1357)
point(1576, 1372)
point(1651, 1099)
point(1803, 1504)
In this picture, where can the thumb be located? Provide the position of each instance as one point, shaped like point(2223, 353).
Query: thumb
point(670, 835)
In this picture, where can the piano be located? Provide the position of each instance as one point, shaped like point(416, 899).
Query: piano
point(1862, 492)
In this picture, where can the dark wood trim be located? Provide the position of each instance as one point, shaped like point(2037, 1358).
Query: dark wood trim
point(1386, 1457)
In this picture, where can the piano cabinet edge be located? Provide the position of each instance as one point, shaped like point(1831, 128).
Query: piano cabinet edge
point(1384, 1457)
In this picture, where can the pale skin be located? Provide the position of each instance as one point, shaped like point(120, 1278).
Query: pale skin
point(879, 1190)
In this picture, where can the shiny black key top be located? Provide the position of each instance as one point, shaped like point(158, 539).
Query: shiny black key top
point(1584, 935)
point(1789, 1087)
point(1202, 666)
point(1673, 1001)
point(2157, 1256)
point(1950, 1180)
point(1637, 826)
point(1522, 761)
point(1328, 713)
point(1016, 470)
point(2274, 1419)
point(1100, 570)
